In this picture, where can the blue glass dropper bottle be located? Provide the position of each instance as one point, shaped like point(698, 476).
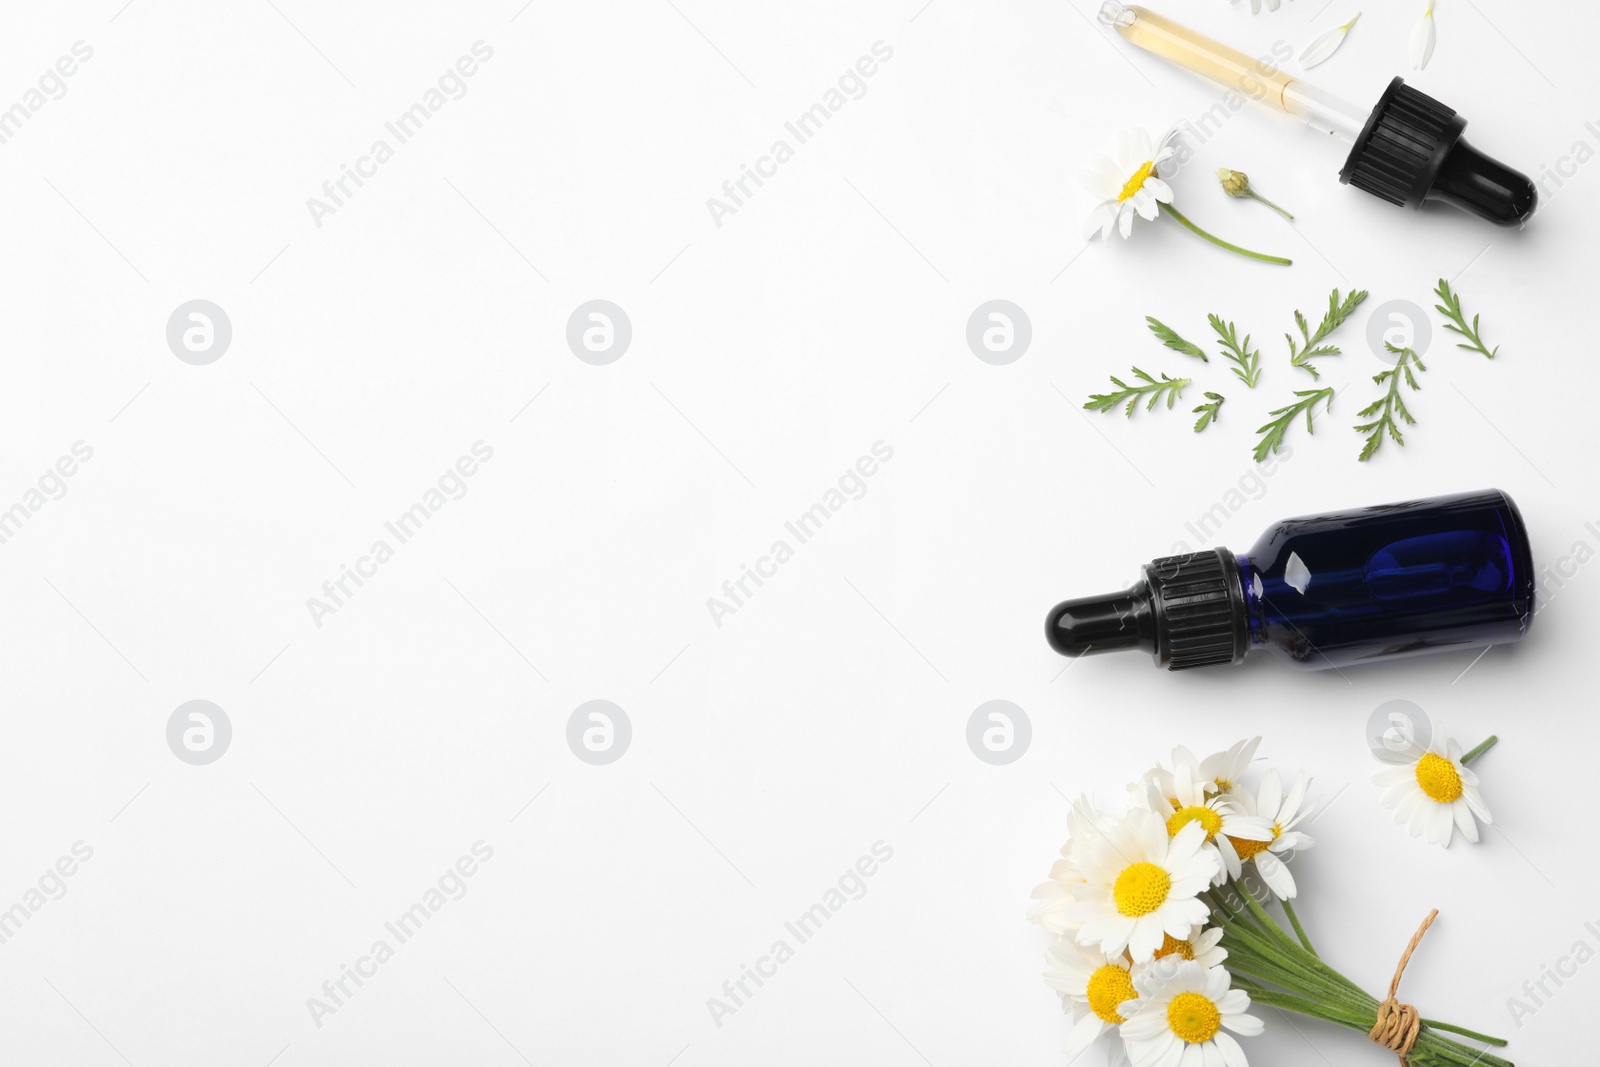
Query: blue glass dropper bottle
point(1332, 590)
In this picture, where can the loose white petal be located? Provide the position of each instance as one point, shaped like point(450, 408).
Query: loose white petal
point(1326, 45)
point(1422, 38)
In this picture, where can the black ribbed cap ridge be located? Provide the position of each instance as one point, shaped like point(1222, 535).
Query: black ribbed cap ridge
point(1403, 146)
point(1200, 618)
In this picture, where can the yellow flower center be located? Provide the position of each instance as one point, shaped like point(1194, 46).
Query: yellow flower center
point(1136, 182)
point(1249, 850)
point(1193, 1017)
point(1171, 945)
point(1196, 813)
point(1108, 987)
point(1438, 778)
point(1141, 889)
point(1224, 785)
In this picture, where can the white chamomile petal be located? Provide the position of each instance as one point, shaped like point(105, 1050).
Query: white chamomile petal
point(1134, 149)
point(1100, 220)
point(1326, 45)
point(1102, 178)
point(1277, 875)
point(1423, 36)
point(1125, 223)
point(1270, 796)
point(1293, 841)
point(1084, 1033)
point(1294, 808)
point(1475, 802)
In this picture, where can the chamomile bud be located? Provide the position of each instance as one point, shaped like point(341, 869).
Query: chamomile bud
point(1234, 182)
point(1237, 183)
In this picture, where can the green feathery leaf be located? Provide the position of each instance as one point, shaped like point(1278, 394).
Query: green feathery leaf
point(1391, 404)
point(1451, 309)
point(1208, 412)
point(1151, 389)
point(1272, 433)
point(1310, 345)
point(1246, 361)
point(1167, 336)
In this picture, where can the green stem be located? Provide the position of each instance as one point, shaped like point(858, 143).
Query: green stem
point(1257, 196)
point(1219, 904)
point(1262, 917)
point(1255, 951)
point(1316, 992)
point(1442, 1049)
point(1302, 1006)
point(1499, 1042)
point(1291, 951)
point(1481, 749)
point(1288, 909)
point(1219, 242)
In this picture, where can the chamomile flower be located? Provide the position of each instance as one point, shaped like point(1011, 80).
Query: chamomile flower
point(1141, 884)
point(1227, 769)
point(1204, 948)
point(1181, 798)
point(1084, 823)
point(1094, 988)
point(1180, 1016)
point(1435, 794)
point(1283, 813)
point(1127, 185)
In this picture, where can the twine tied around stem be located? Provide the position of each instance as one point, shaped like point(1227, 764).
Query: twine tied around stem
point(1399, 1024)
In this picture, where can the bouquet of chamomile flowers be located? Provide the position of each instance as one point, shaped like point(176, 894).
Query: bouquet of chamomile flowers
point(1160, 951)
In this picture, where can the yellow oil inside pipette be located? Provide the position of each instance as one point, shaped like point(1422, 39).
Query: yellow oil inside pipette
point(1257, 79)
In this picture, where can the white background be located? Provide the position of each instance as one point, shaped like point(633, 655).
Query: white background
point(768, 354)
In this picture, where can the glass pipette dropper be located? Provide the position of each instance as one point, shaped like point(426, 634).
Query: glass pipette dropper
point(1407, 149)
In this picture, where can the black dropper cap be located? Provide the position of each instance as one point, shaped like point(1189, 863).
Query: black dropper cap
point(1188, 611)
point(1411, 150)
